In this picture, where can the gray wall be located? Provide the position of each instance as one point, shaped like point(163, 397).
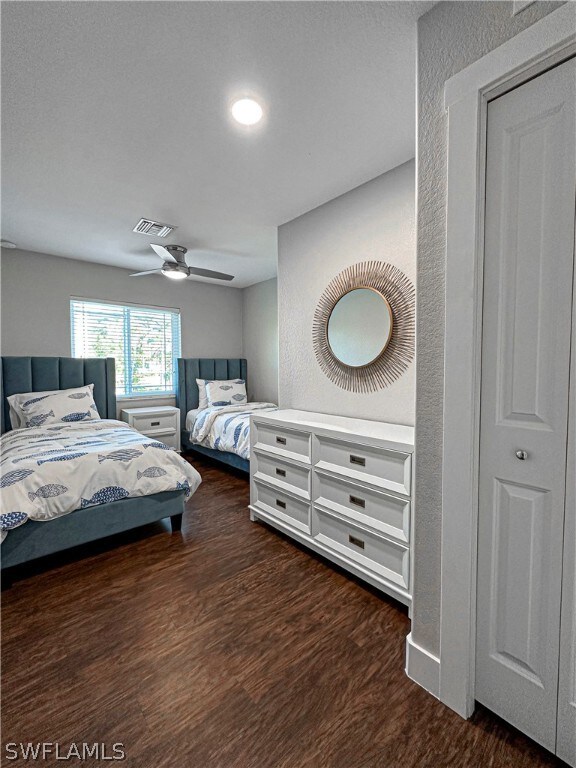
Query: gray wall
point(451, 36)
point(35, 315)
point(260, 340)
point(374, 221)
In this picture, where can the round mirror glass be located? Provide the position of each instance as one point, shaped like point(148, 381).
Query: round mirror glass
point(359, 327)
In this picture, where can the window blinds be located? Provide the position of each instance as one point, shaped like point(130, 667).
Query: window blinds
point(145, 342)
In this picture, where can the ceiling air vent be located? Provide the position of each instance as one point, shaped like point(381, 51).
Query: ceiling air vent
point(154, 228)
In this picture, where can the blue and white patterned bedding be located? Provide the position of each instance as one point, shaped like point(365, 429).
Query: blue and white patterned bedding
point(227, 427)
point(49, 471)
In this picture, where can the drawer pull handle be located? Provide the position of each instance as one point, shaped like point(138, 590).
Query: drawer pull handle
point(154, 423)
point(281, 504)
point(281, 472)
point(357, 542)
point(359, 460)
point(281, 440)
point(357, 501)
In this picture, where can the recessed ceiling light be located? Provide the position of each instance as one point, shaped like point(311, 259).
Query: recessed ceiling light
point(247, 111)
point(7, 244)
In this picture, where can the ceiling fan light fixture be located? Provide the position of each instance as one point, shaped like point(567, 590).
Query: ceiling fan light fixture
point(174, 274)
point(247, 111)
point(175, 267)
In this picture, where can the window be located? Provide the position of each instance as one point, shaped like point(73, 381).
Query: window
point(144, 340)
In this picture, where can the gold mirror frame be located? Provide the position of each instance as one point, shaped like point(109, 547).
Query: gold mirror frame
point(398, 291)
point(383, 349)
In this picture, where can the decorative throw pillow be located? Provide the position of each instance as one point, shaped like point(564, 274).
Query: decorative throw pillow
point(226, 392)
point(63, 405)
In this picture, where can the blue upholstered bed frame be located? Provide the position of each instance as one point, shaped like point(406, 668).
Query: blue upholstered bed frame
point(35, 539)
point(192, 368)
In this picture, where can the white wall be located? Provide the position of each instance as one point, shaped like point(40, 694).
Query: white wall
point(35, 314)
point(451, 36)
point(375, 221)
point(260, 340)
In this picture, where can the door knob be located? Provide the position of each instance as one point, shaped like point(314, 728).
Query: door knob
point(522, 455)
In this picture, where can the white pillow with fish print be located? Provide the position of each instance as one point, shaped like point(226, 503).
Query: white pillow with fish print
point(17, 417)
point(15, 403)
point(25, 399)
point(61, 406)
point(231, 392)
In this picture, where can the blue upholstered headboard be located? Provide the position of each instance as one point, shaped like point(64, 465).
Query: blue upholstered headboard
point(192, 368)
point(36, 374)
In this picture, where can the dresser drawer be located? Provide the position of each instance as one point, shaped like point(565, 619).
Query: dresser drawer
point(164, 423)
point(380, 467)
point(382, 556)
point(291, 443)
point(385, 513)
point(293, 478)
point(292, 511)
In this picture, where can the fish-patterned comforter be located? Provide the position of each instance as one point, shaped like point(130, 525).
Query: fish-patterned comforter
point(49, 471)
point(227, 427)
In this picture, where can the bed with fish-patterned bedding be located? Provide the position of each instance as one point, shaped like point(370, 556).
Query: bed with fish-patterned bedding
point(104, 490)
point(50, 471)
point(225, 427)
point(202, 431)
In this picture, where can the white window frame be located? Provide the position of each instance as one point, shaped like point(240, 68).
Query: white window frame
point(531, 52)
point(134, 395)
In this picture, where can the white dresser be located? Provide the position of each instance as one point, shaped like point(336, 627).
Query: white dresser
point(341, 486)
point(162, 423)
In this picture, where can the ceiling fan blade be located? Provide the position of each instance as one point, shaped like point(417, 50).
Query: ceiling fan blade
point(163, 252)
point(148, 272)
point(209, 273)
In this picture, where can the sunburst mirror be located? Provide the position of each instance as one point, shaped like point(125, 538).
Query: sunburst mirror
point(363, 331)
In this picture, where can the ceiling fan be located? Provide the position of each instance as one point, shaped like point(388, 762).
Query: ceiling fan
point(175, 266)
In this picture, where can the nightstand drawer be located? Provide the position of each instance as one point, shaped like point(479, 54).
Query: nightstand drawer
point(171, 439)
point(161, 423)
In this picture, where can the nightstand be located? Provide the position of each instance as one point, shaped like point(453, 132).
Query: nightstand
point(162, 423)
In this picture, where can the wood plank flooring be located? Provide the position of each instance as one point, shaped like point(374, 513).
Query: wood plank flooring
point(225, 647)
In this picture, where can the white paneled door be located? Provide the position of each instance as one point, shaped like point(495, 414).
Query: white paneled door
point(525, 630)
point(566, 744)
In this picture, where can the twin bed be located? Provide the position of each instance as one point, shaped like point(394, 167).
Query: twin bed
point(221, 432)
point(90, 476)
point(114, 477)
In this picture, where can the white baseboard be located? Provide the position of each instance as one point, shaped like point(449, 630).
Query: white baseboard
point(422, 667)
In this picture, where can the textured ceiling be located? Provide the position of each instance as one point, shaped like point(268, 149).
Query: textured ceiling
point(116, 110)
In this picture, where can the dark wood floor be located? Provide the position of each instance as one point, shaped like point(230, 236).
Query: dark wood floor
point(226, 647)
